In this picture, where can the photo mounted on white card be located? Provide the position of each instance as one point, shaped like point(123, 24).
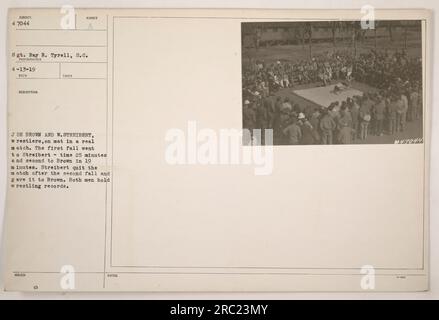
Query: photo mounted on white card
point(218, 150)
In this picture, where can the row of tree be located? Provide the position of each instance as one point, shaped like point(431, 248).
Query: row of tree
point(307, 32)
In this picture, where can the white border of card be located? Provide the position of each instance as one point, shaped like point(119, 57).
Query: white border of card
point(119, 85)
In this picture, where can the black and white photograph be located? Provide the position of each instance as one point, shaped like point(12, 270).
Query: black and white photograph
point(333, 82)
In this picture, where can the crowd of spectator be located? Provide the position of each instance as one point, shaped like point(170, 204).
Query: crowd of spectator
point(396, 98)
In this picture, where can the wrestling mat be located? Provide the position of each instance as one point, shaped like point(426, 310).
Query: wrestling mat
point(324, 96)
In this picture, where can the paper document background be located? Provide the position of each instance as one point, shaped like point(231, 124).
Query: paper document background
point(324, 210)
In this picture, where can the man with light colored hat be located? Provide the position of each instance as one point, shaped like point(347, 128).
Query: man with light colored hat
point(248, 119)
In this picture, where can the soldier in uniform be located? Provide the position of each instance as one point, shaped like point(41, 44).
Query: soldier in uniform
point(392, 111)
point(249, 121)
point(293, 132)
point(414, 103)
point(379, 115)
point(327, 127)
